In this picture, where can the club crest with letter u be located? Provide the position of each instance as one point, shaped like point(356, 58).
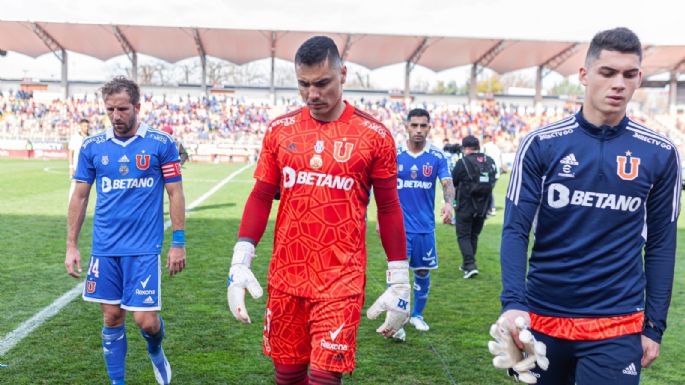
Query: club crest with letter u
point(627, 167)
point(90, 286)
point(341, 154)
point(427, 170)
point(142, 162)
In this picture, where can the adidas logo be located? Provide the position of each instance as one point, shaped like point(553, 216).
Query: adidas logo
point(630, 370)
point(569, 159)
point(149, 300)
point(123, 159)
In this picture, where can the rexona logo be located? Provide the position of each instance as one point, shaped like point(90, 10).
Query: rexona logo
point(292, 177)
point(332, 345)
point(559, 196)
point(145, 292)
point(123, 184)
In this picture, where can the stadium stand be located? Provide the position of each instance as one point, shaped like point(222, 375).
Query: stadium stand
point(228, 128)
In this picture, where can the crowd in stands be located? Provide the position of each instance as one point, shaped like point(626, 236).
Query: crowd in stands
point(506, 123)
point(235, 120)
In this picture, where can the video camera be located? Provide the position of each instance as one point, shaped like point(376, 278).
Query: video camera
point(452, 148)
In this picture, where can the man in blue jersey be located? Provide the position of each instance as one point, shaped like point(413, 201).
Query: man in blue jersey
point(131, 165)
point(602, 193)
point(420, 165)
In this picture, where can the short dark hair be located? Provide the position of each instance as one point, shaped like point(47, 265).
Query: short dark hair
point(418, 112)
point(470, 141)
point(316, 50)
point(84, 120)
point(121, 83)
point(619, 39)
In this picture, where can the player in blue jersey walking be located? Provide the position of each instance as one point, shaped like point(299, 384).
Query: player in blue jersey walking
point(602, 194)
point(131, 165)
point(420, 165)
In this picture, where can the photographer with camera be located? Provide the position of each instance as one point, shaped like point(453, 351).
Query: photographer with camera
point(474, 177)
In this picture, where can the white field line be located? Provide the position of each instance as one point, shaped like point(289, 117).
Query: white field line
point(28, 326)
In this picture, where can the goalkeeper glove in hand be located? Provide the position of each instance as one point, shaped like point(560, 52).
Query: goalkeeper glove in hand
point(395, 299)
point(509, 356)
point(240, 277)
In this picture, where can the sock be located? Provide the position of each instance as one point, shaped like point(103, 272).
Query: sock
point(291, 374)
point(422, 284)
point(114, 346)
point(324, 377)
point(154, 342)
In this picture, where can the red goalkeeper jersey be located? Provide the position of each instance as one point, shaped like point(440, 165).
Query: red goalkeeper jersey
point(324, 170)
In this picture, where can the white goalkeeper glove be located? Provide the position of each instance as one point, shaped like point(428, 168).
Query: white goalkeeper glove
point(240, 277)
point(509, 356)
point(395, 299)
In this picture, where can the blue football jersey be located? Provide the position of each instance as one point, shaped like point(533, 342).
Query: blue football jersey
point(416, 178)
point(129, 177)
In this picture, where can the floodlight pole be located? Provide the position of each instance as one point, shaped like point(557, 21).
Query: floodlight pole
point(480, 64)
point(473, 83)
point(346, 47)
point(551, 64)
point(673, 86)
point(65, 75)
point(203, 58)
point(411, 63)
point(538, 86)
point(672, 91)
point(58, 51)
point(128, 49)
point(272, 79)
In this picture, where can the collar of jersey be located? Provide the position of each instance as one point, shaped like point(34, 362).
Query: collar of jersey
point(415, 155)
point(604, 131)
point(345, 117)
point(141, 131)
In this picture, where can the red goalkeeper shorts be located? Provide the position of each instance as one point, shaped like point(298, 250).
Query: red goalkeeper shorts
point(318, 332)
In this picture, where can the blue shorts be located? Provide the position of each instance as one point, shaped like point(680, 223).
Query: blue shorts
point(133, 283)
point(614, 361)
point(421, 251)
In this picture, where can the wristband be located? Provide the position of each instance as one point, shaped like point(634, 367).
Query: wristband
point(178, 239)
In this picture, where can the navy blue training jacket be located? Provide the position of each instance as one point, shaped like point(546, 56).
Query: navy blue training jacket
point(600, 200)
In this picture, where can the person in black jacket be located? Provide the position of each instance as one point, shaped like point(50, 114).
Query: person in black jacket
point(474, 178)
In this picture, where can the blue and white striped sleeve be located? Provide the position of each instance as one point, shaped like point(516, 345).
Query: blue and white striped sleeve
point(523, 199)
point(663, 208)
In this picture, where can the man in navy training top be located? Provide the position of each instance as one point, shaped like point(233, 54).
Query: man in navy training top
point(602, 193)
point(131, 165)
point(420, 165)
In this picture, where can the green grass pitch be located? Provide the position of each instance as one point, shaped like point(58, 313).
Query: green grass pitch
point(204, 344)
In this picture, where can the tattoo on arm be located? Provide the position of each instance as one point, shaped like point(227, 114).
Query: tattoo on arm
point(448, 191)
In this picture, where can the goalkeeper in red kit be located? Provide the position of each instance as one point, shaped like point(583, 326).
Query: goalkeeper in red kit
point(325, 158)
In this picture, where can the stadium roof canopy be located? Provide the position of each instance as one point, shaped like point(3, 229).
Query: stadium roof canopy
point(239, 46)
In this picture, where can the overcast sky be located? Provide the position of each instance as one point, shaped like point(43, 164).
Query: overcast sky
point(655, 21)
